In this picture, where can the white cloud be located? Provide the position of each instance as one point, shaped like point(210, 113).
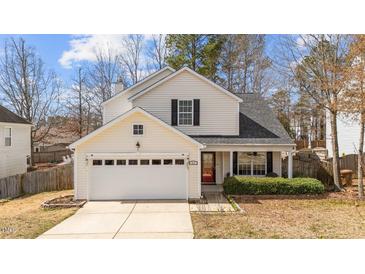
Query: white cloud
point(82, 47)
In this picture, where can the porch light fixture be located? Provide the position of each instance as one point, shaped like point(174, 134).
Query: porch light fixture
point(138, 145)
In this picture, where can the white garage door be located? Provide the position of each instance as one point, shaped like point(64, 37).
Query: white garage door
point(138, 178)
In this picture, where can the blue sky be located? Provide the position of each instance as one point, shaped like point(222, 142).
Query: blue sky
point(62, 52)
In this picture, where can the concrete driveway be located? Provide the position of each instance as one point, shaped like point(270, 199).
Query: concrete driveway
point(127, 219)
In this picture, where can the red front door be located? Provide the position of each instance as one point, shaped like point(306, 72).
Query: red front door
point(208, 167)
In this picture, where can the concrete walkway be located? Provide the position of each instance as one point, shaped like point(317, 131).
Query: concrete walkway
point(214, 202)
point(129, 219)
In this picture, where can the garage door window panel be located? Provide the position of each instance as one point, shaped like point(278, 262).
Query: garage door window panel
point(109, 162)
point(156, 162)
point(167, 162)
point(121, 162)
point(97, 162)
point(145, 162)
point(179, 162)
point(132, 162)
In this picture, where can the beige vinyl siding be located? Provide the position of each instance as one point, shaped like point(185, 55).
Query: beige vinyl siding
point(120, 103)
point(150, 82)
point(218, 112)
point(116, 107)
point(118, 138)
point(13, 159)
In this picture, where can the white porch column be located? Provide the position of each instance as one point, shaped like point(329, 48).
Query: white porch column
point(231, 163)
point(290, 164)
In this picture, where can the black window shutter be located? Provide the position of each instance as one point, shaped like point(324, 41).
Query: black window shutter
point(196, 112)
point(174, 112)
point(269, 162)
point(235, 163)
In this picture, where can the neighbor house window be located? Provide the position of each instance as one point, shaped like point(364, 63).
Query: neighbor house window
point(8, 136)
point(251, 163)
point(137, 129)
point(185, 112)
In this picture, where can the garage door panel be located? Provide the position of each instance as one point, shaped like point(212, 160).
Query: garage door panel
point(138, 182)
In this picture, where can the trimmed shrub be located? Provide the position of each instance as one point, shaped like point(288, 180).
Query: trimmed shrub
point(240, 185)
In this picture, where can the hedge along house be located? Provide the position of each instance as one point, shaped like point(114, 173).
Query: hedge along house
point(173, 132)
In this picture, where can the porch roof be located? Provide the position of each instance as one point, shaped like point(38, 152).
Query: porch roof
point(258, 125)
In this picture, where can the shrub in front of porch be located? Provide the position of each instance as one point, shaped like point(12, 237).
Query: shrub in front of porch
point(242, 185)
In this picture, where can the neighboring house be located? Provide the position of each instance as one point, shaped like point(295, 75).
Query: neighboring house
point(172, 132)
point(348, 133)
point(15, 143)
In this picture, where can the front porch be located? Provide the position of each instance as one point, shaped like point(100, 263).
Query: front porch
point(219, 162)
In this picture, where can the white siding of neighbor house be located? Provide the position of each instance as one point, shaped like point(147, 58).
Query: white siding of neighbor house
point(348, 136)
point(120, 103)
point(219, 113)
point(13, 159)
point(119, 139)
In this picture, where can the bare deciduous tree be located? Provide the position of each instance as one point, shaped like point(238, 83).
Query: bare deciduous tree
point(26, 85)
point(319, 63)
point(102, 75)
point(130, 58)
point(79, 104)
point(157, 52)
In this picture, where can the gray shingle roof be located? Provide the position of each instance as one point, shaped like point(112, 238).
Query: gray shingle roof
point(6, 116)
point(258, 125)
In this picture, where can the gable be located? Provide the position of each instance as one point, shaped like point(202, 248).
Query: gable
point(218, 112)
point(143, 84)
point(185, 73)
point(119, 130)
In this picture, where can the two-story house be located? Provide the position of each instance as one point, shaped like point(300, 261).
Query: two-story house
point(170, 133)
point(15, 143)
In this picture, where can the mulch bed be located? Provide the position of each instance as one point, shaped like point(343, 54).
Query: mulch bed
point(63, 202)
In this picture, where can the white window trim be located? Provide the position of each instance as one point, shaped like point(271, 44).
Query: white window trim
point(192, 112)
point(138, 124)
point(238, 164)
point(11, 136)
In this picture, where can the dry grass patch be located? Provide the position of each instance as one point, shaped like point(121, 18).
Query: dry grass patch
point(23, 218)
point(286, 217)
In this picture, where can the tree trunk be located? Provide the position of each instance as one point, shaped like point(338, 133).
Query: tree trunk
point(360, 158)
point(335, 159)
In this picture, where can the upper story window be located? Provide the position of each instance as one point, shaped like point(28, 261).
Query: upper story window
point(7, 135)
point(185, 112)
point(137, 129)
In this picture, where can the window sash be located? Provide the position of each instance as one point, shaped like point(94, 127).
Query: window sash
point(8, 136)
point(185, 112)
point(137, 129)
point(251, 165)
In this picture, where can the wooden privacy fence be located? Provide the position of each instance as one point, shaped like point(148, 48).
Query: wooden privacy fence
point(50, 156)
point(309, 165)
point(56, 178)
point(348, 162)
